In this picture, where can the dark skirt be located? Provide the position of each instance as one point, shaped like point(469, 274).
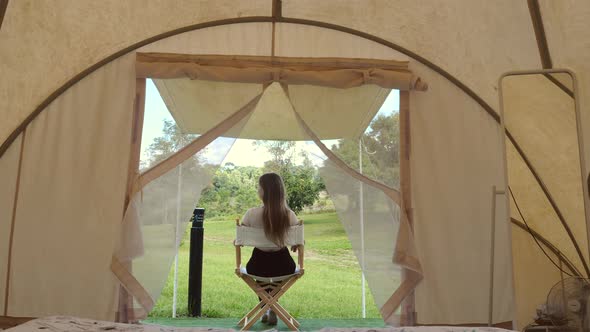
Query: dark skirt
point(270, 263)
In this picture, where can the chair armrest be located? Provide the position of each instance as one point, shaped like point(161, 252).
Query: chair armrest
point(238, 250)
point(238, 256)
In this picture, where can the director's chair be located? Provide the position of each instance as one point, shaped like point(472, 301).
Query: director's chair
point(269, 290)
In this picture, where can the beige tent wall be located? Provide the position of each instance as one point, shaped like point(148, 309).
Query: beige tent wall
point(232, 39)
point(533, 272)
point(532, 282)
point(45, 43)
point(456, 158)
point(456, 36)
point(568, 37)
point(297, 40)
point(8, 177)
point(439, 132)
point(71, 198)
point(542, 120)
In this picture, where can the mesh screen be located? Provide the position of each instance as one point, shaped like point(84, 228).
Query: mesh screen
point(165, 207)
point(377, 129)
point(369, 146)
point(369, 216)
point(159, 213)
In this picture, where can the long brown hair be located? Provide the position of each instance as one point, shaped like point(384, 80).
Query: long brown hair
point(275, 215)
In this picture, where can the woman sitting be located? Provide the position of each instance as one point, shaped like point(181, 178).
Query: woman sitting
point(275, 218)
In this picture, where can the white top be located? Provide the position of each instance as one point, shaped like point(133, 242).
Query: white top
point(253, 218)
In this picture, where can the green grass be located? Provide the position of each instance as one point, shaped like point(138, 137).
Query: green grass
point(330, 288)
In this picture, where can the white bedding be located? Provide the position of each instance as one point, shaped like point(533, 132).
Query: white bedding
point(73, 324)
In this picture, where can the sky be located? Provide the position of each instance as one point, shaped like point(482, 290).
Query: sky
point(242, 152)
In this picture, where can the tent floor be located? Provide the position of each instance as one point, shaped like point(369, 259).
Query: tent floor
point(230, 323)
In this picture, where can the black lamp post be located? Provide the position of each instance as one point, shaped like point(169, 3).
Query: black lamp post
point(195, 271)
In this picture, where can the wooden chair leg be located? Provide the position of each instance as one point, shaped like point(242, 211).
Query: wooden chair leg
point(255, 287)
point(269, 301)
point(272, 302)
point(278, 307)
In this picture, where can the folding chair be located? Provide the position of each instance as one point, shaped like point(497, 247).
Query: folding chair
point(269, 290)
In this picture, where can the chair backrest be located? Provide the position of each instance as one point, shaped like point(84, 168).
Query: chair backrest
point(255, 237)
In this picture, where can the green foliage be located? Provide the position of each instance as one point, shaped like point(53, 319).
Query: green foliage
point(302, 182)
point(380, 153)
point(232, 191)
point(164, 146)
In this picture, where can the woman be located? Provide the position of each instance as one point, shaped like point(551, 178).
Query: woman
point(275, 218)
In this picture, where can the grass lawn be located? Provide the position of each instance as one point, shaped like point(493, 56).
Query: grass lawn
point(330, 288)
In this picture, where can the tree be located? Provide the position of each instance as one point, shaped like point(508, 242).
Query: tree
point(232, 191)
point(303, 186)
point(380, 158)
point(164, 146)
point(380, 150)
point(302, 182)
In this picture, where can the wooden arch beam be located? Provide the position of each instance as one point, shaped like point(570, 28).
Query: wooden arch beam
point(542, 44)
point(3, 6)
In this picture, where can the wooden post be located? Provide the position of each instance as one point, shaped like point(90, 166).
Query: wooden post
point(136, 134)
point(125, 314)
point(408, 312)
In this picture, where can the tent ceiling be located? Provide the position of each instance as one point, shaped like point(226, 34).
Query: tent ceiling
point(38, 58)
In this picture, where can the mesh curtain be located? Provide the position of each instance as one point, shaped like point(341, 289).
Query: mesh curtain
point(164, 199)
point(369, 216)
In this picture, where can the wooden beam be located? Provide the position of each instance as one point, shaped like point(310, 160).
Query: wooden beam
point(277, 9)
point(13, 222)
point(543, 46)
point(136, 135)
point(3, 6)
point(547, 244)
point(560, 85)
point(125, 312)
point(408, 312)
point(537, 20)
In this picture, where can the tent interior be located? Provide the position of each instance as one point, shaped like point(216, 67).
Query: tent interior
point(484, 211)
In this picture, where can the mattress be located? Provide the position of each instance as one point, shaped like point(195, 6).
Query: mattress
point(74, 324)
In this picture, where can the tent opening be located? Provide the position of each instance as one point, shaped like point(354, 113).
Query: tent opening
point(335, 263)
point(280, 103)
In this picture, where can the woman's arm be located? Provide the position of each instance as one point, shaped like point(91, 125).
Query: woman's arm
point(245, 219)
point(293, 220)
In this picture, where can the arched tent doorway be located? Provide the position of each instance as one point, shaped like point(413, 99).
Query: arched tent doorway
point(446, 97)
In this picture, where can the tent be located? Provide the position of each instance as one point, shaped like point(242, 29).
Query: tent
point(74, 208)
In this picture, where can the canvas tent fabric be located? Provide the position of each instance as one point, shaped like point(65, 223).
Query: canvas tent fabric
point(459, 48)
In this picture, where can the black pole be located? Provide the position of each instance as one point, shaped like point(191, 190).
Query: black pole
point(195, 270)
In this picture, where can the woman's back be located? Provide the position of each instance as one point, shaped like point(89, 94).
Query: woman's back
point(254, 218)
